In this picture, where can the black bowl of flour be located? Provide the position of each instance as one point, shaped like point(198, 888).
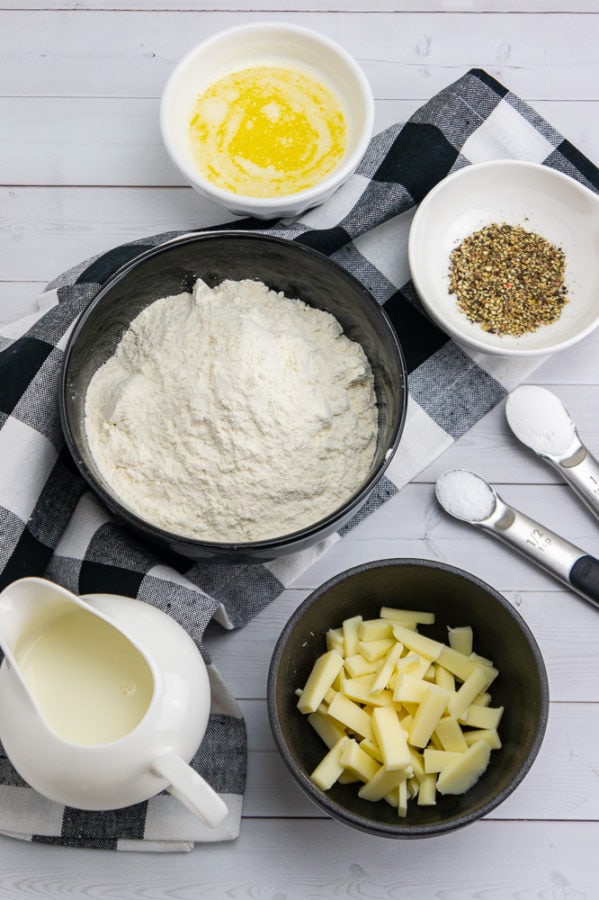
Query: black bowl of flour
point(298, 272)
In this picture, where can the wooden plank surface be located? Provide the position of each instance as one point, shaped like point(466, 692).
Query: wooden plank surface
point(82, 168)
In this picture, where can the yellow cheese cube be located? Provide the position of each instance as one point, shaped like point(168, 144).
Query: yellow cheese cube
point(480, 660)
point(479, 680)
point(432, 707)
point(417, 642)
point(334, 640)
point(356, 665)
point(427, 792)
point(417, 761)
point(371, 650)
point(415, 616)
point(375, 630)
point(372, 749)
point(392, 798)
point(413, 787)
point(460, 775)
point(350, 634)
point(381, 784)
point(391, 738)
point(460, 639)
point(444, 678)
point(406, 722)
point(483, 716)
point(329, 768)
point(402, 799)
point(408, 689)
point(435, 742)
point(437, 760)
point(351, 715)
point(355, 761)
point(327, 730)
point(429, 675)
point(454, 661)
point(489, 735)
point(451, 736)
point(328, 697)
point(482, 699)
point(359, 689)
point(325, 670)
point(384, 674)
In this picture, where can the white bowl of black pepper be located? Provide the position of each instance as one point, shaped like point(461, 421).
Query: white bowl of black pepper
point(504, 257)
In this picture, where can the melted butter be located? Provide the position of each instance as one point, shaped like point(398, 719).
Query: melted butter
point(267, 131)
point(90, 683)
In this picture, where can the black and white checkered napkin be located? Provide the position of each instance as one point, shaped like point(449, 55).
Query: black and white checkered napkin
point(51, 525)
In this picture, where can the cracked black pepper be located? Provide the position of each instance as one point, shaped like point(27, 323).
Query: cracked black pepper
point(508, 280)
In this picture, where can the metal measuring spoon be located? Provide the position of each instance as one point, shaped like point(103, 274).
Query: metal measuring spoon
point(540, 421)
point(468, 497)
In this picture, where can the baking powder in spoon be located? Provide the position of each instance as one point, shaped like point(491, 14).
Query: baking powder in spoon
point(538, 419)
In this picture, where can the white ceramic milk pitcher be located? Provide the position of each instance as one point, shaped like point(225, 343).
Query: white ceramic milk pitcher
point(103, 699)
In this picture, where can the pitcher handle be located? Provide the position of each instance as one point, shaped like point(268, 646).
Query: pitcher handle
point(190, 789)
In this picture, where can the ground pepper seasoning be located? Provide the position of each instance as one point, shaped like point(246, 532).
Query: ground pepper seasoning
point(508, 280)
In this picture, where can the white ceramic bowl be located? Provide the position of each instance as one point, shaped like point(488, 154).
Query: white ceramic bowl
point(273, 43)
point(533, 196)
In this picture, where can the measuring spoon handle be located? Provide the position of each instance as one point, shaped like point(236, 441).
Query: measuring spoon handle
point(583, 478)
point(549, 550)
point(584, 576)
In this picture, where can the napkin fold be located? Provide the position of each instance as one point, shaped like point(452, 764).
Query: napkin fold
point(52, 526)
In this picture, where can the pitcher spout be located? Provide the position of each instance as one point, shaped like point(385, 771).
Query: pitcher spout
point(29, 604)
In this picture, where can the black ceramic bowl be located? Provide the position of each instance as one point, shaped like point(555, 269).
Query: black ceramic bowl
point(297, 271)
point(456, 598)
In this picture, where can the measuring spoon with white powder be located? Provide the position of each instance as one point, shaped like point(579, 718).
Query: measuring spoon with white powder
point(540, 421)
point(468, 497)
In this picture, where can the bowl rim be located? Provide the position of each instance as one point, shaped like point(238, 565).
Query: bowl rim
point(263, 545)
point(415, 239)
point(402, 829)
point(271, 205)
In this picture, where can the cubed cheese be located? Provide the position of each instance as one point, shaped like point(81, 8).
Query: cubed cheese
point(391, 738)
point(375, 630)
point(408, 689)
point(417, 642)
point(350, 714)
point(450, 735)
point(384, 674)
point(325, 670)
point(437, 760)
point(329, 732)
point(432, 707)
point(329, 768)
point(490, 735)
point(381, 784)
point(350, 634)
point(479, 680)
point(460, 639)
point(483, 716)
point(460, 775)
point(372, 650)
point(410, 616)
point(357, 762)
point(427, 793)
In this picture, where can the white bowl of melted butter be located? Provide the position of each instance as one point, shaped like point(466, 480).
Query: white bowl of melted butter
point(267, 120)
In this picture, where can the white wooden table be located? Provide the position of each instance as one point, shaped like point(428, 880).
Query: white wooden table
point(83, 169)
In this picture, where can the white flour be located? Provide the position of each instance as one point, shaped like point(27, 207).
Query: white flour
point(233, 414)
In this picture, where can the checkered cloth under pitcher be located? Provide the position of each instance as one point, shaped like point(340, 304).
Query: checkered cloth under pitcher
point(51, 525)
